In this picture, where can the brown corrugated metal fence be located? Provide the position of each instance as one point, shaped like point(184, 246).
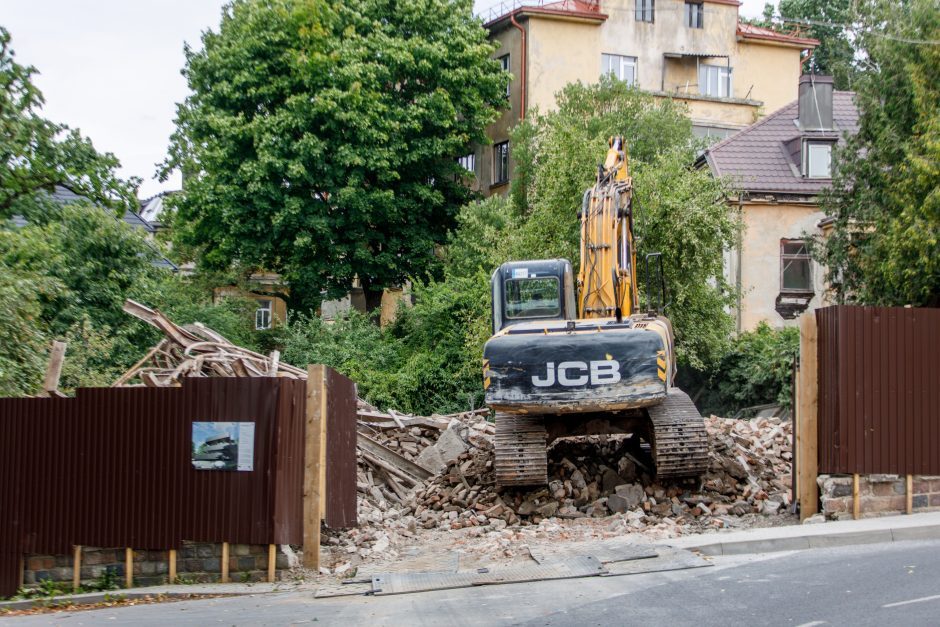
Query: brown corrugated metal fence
point(879, 390)
point(112, 468)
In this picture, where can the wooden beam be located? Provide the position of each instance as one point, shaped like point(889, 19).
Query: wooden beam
point(225, 562)
point(910, 494)
point(172, 566)
point(128, 568)
point(77, 567)
point(807, 462)
point(21, 572)
point(272, 562)
point(314, 466)
point(50, 384)
point(855, 499)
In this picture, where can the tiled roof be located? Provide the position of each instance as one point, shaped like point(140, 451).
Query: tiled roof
point(759, 158)
point(749, 31)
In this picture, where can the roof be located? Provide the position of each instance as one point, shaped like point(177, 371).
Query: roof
point(759, 158)
point(576, 9)
point(758, 33)
point(151, 208)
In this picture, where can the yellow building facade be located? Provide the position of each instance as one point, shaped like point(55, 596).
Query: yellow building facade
point(727, 73)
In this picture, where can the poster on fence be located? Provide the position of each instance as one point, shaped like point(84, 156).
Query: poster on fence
point(223, 445)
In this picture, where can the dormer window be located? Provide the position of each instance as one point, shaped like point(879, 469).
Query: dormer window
point(817, 159)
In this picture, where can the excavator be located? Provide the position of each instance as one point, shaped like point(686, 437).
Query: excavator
point(569, 359)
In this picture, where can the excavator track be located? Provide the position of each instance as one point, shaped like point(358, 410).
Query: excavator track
point(521, 451)
point(679, 439)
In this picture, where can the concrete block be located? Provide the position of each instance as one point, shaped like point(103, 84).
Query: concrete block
point(935, 500)
point(888, 488)
point(240, 549)
point(919, 500)
point(926, 532)
point(764, 546)
point(880, 478)
point(212, 565)
point(450, 445)
point(246, 563)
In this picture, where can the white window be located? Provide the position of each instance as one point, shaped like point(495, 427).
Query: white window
point(644, 10)
point(817, 160)
point(694, 14)
point(263, 315)
point(622, 68)
point(715, 80)
point(500, 163)
point(468, 162)
point(795, 270)
point(504, 64)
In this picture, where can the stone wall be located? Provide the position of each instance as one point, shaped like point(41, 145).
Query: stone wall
point(195, 563)
point(878, 494)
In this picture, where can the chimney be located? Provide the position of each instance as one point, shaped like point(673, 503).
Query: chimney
point(815, 103)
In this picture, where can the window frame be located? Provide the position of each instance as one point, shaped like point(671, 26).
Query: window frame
point(500, 159)
point(468, 162)
point(807, 161)
point(787, 258)
point(645, 11)
point(262, 310)
point(720, 70)
point(622, 60)
point(698, 13)
point(504, 61)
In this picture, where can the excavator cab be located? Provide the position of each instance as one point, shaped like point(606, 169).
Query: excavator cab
point(530, 291)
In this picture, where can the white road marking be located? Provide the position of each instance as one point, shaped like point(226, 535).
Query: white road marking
point(813, 624)
point(920, 600)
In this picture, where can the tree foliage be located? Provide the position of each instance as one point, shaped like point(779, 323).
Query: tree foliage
point(828, 21)
point(320, 137)
point(885, 199)
point(37, 155)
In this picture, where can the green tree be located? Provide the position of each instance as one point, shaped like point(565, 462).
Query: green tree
point(830, 22)
point(679, 211)
point(37, 155)
point(885, 245)
point(320, 137)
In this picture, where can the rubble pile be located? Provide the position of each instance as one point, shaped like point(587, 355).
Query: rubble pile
point(589, 477)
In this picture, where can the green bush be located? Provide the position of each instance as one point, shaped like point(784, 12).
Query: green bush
point(757, 370)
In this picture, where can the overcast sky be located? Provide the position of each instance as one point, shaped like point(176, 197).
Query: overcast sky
point(112, 68)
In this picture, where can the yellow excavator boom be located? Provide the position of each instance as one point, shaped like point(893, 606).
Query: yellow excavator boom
point(607, 278)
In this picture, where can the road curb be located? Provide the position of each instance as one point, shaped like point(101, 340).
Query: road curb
point(823, 535)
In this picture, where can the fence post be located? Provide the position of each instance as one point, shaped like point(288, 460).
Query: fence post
point(77, 567)
point(807, 463)
point(314, 469)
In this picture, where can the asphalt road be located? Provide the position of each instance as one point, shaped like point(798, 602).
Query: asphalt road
point(888, 584)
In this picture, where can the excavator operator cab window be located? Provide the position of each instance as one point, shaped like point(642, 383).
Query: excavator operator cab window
point(525, 291)
point(532, 298)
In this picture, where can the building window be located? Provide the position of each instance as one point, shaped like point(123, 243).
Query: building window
point(468, 162)
point(711, 133)
point(644, 10)
point(715, 80)
point(500, 163)
point(694, 14)
point(817, 160)
point(263, 315)
point(504, 64)
point(621, 67)
point(795, 272)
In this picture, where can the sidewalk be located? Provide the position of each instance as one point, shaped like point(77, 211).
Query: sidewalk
point(925, 526)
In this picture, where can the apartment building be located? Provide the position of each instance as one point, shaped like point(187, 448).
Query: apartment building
point(728, 73)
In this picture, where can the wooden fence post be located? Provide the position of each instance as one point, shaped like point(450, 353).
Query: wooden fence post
point(314, 468)
point(128, 568)
point(224, 562)
point(272, 562)
point(172, 567)
point(806, 429)
point(77, 567)
point(909, 492)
